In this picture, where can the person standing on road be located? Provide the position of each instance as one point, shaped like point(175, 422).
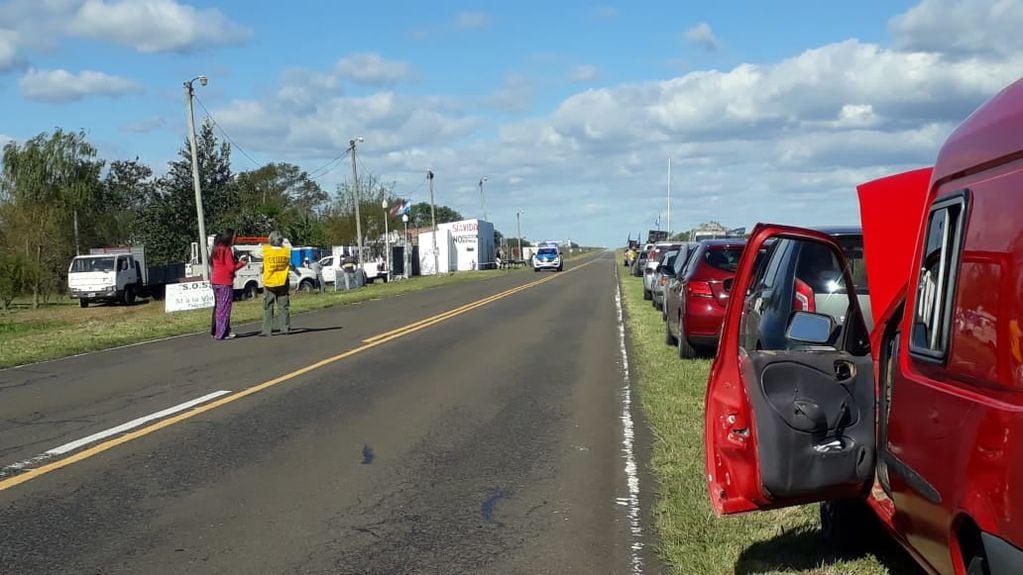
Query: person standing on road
point(276, 288)
point(224, 268)
point(318, 270)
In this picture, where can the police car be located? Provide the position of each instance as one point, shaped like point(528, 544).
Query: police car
point(548, 257)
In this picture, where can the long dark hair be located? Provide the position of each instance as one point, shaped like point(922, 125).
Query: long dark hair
point(219, 240)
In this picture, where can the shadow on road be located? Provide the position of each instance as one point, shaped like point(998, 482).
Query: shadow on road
point(294, 331)
point(805, 549)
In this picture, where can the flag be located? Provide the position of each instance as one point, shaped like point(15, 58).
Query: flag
point(405, 207)
point(396, 208)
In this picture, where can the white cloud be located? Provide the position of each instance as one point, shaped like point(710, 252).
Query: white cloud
point(155, 25)
point(64, 86)
point(702, 36)
point(373, 70)
point(514, 96)
point(472, 20)
point(583, 74)
point(961, 27)
point(8, 48)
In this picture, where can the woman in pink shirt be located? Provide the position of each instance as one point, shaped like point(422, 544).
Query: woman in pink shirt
point(224, 268)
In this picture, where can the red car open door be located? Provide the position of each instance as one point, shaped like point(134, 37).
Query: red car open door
point(795, 424)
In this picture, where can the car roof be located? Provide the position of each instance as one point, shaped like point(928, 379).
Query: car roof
point(840, 230)
point(724, 242)
point(995, 130)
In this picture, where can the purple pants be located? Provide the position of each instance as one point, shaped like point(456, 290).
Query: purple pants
point(223, 296)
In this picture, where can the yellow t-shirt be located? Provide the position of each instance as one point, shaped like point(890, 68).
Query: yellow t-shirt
point(276, 263)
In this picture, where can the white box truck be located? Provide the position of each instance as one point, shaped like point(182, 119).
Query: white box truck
point(119, 275)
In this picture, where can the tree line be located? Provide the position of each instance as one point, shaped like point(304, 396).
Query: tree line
point(58, 199)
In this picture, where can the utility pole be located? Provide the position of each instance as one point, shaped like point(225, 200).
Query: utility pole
point(355, 198)
point(669, 198)
point(483, 205)
point(518, 226)
point(433, 220)
point(203, 248)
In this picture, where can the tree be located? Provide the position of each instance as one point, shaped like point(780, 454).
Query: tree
point(419, 215)
point(168, 225)
point(128, 189)
point(339, 220)
point(49, 197)
point(282, 197)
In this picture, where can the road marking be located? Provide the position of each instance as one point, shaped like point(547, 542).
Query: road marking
point(9, 482)
point(116, 430)
point(631, 503)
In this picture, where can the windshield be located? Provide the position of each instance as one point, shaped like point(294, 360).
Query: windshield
point(101, 264)
point(547, 252)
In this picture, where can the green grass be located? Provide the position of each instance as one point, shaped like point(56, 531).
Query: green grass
point(60, 328)
point(692, 540)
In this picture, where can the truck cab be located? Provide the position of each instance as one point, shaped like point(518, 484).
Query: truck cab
point(913, 423)
point(104, 277)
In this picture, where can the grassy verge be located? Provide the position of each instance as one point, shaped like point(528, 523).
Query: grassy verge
point(692, 540)
point(61, 328)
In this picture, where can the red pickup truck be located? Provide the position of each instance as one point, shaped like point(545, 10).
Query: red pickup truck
point(919, 421)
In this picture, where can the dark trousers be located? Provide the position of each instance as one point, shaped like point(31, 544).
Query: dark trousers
point(282, 298)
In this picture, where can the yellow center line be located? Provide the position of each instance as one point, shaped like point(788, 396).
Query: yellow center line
point(367, 345)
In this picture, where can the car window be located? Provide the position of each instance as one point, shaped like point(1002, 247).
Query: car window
point(547, 252)
point(937, 274)
point(725, 259)
point(682, 259)
point(777, 253)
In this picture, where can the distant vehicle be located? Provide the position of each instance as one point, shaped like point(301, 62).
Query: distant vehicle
point(695, 324)
point(654, 256)
point(118, 275)
point(677, 272)
point(655, 236)
point(548, 258)
point(250, 278)
point(639, 264)
point(665, 270)
point(332, 265)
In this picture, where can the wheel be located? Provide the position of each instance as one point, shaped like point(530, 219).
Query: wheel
point(129, 295)
point(251, 291)
point(647, 295)
point(685, 349)
point(668, 338)
point(845, 522)
point(83, 302)
point(537, 270)
point(561, 267)
point(305, 286)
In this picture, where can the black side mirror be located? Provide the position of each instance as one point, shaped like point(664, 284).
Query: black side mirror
point(813, 328)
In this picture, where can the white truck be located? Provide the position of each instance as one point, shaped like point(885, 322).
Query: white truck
point(332, 265)
point(248, 281)
point(118, 275)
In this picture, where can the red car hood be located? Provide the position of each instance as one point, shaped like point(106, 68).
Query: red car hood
point(891, 212)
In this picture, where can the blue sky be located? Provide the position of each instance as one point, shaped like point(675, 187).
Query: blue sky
point(770, 110)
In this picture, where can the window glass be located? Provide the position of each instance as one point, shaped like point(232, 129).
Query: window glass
point(934, 294)
point(726, 259)
point(103, 264)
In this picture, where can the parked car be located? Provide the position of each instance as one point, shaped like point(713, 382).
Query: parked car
point(639, 264)
point(800, 276)
point(548, 258)
point(653, 261)
point(917, 422)
point(695, 323)
point(666, 272)
point(673, 289)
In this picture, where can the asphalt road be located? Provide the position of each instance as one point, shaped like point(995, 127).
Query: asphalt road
point(488, 441)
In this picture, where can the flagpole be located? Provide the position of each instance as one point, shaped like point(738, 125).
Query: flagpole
point(669, 198)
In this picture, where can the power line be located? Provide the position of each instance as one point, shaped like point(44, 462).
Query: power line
point(226, 136)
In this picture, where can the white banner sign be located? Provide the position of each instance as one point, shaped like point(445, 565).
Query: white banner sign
point(189, 295)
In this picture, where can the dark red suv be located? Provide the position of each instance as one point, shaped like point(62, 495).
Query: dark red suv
point(695, 310)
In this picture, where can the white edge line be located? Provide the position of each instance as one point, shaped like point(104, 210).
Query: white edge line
point(628, 438)
point(78, 443)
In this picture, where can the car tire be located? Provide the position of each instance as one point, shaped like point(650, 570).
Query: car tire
point(306, 286)
point(685, 349)
point(647, 295)
point(83, 303)
point(845, 522)
point(129, 295)
point(251, 291)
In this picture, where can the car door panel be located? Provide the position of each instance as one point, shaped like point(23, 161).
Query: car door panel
point(793, 425)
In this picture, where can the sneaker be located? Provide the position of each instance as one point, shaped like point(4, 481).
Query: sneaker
point(231, 335)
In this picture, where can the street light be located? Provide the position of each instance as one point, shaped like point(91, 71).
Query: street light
point(203, 248)
point(355, 196)
point(407, 252)
point(483, 207)
point(433, 222)
point(387, 240)
point(518, 224)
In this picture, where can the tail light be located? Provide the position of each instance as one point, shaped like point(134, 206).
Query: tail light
point(804, 297)
point(699, 289)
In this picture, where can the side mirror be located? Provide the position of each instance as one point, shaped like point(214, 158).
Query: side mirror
point(814, 328)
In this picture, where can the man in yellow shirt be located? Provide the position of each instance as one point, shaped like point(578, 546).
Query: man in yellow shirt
point(276, 287)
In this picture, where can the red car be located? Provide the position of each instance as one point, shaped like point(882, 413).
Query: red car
point(695, 307)
point(918, 422)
